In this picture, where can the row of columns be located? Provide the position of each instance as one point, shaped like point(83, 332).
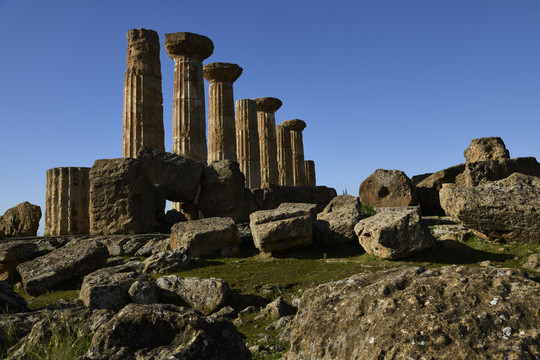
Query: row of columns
point(267, 154)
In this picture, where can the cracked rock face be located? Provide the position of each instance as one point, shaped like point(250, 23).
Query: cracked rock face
point(21, 220)
point(452, 312)
point(488, 148)
point(388, 188)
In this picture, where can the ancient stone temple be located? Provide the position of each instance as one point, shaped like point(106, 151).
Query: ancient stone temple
point(310, 173)
point(66, 203)
point(247, 142)
point(299, 173)
point(188, 51)
point(221, 122)
point(266, 120)
point(143, 99)
point(284, 156)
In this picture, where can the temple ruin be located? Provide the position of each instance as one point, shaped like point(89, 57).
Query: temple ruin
point(266, 120)
point(297, 144)
point(310, 173)
point(284, 156)
point(247, 142)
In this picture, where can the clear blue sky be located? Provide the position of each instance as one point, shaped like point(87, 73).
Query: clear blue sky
point(394, 84)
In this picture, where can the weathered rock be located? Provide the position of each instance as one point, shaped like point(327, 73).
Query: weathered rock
point(124, 245)
point(178, 176)
point(409, 313)
point(153, 246)
point(388, 188)
point(488, 148)
point(284, 156)
point(504, 211)
point(122, 198)
point(108, 288)
point(278, 308)
point(335, 224)
point(164, 332)
point(143, 292)
point(188, 51)
point(17, 250)
point(10, 301)
point(247, 142)
point(311, 177)
point(308, 209)
point(222, 191)
point(533, 262)
point(21, 220)
point(428, 188)
point(168, 261)
point(143, 98)
point(480, 172)
point(281, 229)
point(221, 126)
point(205, 236)
point(75, 259)
point(34, 329)
point(274, 195)
point(204, 295)
point(66, 201)
point(394, 233)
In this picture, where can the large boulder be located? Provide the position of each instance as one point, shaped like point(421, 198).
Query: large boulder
point(75, 259)
point(222, 191)
point(272, 196)
point(388, 188)
point(12, 253)
point(427, 188)
point(480, 172)
point(410, 313)
point(204, 295)
point(10, 301)
point(488, 148)
point(167, 261)
point(281, 229)
point(108, 288)
point(160, 331)
point(504, 210)
point(21, 220)
point(176, 175)
point(122, 198)
point(335, 224)
point(394, 233)
point(206, 236)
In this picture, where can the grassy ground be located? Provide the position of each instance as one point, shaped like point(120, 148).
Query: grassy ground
point(257, 279)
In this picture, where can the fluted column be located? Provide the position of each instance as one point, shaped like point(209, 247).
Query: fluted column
point(221, 127)
point(284, 156)
point(66, 203)
point(143, 98)
point(189, 121)
point(266, 124)
point(310, 173)
point(297, 145)
point(247, 142)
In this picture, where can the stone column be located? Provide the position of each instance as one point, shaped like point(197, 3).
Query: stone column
point(284, 156)
point(66, 203)
point(266, 124)
point(221, 127)
point(189, 121)
point(299, 173)
point(247, 142)
point(310, 173)
point(143, 99)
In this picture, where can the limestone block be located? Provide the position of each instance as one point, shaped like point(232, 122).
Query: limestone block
point(335, 224)
point(311, 179)
point(488, 148)
point(247, 142)
point(296, 127)
point(284, 156)
point(266, 124)
point(21, 220)
point(388, 188)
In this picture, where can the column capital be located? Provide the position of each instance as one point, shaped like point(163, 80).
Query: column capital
point(268, 104)
point(222, 72)
point(188, 44)
point(294, 124)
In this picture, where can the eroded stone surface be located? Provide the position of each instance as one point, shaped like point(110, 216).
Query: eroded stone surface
point(311, 178)
point(394, 233)
point(296, 127)
point(447, 313)
point(388, 188)
point(10, 301)
point(480, 172)
point(504, 210)
point(488, 148)
point(284, 156)
point(205, 236)
point(143, 98)
point(21, 220)
point(335, 224)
